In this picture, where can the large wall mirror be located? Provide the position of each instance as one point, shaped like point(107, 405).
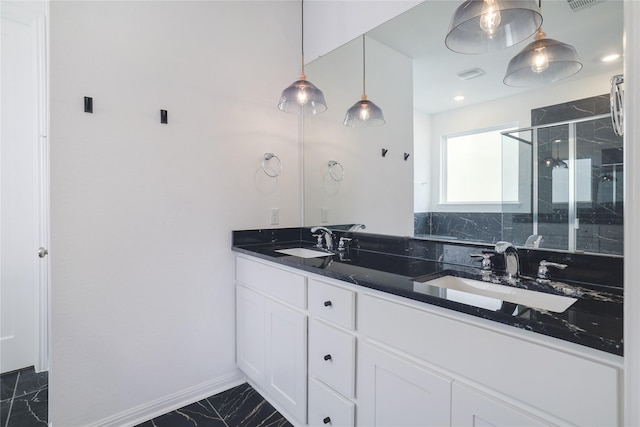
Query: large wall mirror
point(462, 156)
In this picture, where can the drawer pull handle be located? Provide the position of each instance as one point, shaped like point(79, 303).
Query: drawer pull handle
point(327, 420)
point(327, 303)
point(327, 357)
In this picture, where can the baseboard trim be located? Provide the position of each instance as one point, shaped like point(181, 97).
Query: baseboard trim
point(153, 409)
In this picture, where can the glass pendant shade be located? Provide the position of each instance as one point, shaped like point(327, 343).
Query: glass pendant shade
point(302, 96)
point(481, 26)
point(541, 62)
point(364, 113)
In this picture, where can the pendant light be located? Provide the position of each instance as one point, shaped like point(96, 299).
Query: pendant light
point(543, 61)
point(481, 26)
point(302, 95)
point(364, 113)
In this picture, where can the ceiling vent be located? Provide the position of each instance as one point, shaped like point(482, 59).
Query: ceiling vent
point(472, 73)
point(576, 5)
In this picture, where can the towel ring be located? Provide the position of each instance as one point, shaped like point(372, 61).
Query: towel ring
point(269, 171)
point(336, 171)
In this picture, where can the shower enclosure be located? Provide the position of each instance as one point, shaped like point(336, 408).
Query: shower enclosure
point(575, 186)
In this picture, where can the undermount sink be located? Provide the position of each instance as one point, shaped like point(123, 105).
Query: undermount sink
point(491, 296)
point(304, 252)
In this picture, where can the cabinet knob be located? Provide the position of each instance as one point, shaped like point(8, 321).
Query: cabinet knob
point(327, 303)
point(327, 420)
point(327, 357)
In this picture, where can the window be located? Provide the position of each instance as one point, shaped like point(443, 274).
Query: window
point(480, 167)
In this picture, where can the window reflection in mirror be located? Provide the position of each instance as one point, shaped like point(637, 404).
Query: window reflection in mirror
point(473, 168)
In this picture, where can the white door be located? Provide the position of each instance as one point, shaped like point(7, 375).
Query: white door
point(23, 188)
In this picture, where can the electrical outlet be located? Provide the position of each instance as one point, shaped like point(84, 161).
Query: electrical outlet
point(274, 216)
point(324, 215)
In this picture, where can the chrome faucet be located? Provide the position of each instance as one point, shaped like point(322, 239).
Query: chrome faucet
point(356, 227)
point(511, 260)
point(328, 237)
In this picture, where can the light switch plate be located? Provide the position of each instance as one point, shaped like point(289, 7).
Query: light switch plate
point(274, 216)
point(324, 215)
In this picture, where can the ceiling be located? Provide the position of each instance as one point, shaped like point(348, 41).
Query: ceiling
point(594, 30)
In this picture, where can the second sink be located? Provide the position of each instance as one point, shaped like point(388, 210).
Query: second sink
point(499, 293)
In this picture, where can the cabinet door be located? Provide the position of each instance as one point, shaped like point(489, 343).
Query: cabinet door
point(395, 392)
point(250, 333)
point(471, 407)
point(287, 358)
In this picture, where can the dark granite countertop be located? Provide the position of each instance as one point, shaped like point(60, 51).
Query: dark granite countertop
point(594, 320)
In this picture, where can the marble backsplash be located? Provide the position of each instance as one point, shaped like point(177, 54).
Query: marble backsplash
point(591, 269)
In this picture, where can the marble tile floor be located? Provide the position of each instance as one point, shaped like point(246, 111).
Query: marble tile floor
point(24, 396)
point(24, 399)
point(239, 406)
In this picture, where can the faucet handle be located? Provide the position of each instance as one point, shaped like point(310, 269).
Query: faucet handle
point(543, 268)
point(486, 259)
point(319, 239)
point(341, 243)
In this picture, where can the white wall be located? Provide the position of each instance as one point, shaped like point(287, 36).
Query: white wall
point(375, 191)
point(515, 109)
point(142, 213)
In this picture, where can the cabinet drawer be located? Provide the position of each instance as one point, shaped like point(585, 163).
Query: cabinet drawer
point(332, 357)
point(327, 408)
point(273, 281)
point(331, 303)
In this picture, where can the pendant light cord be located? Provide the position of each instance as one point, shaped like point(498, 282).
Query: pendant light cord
point(364, 69)
point(302, 76)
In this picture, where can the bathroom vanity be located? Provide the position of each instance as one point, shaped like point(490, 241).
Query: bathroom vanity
point(369, 337)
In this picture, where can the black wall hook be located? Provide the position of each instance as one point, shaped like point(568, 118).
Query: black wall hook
point(384, 152)
point(88, 104)
point(406, 156)
point(164, 116)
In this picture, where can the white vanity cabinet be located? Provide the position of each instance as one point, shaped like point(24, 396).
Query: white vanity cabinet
point(376, 359)
point(534, 379)
point(271, 333)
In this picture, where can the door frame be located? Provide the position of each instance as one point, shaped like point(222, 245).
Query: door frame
point(43, 269)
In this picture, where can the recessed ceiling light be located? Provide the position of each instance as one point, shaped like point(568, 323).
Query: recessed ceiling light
point(458, 98)
point(610, 58)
